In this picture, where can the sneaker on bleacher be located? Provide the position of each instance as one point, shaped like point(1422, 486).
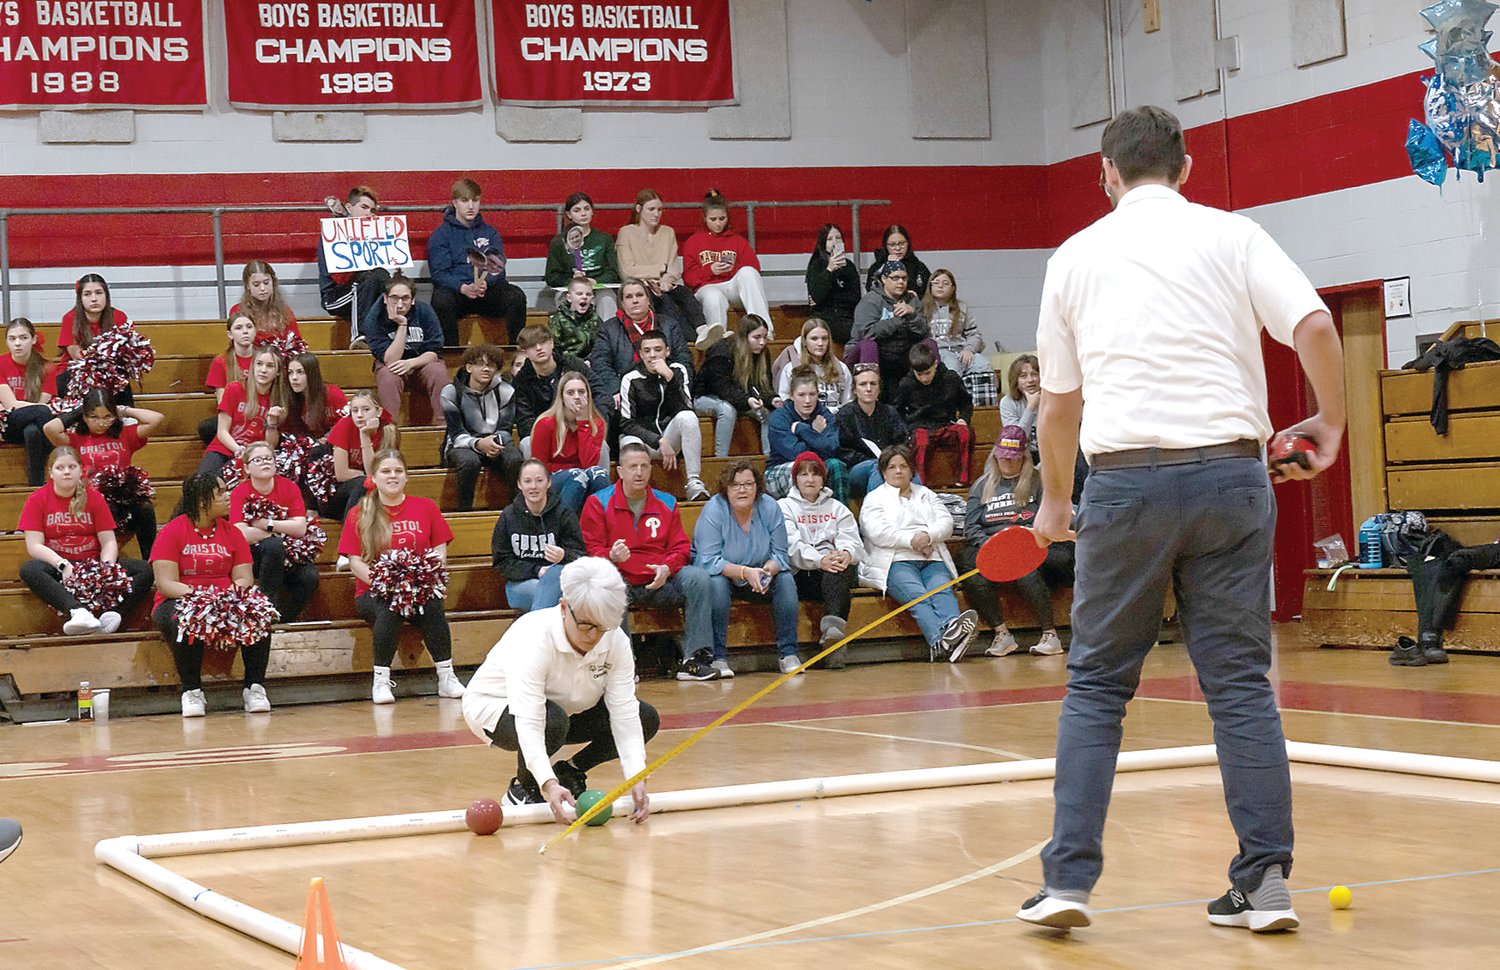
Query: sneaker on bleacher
point(194, 703)
point(1050, 645)
point(698, 667)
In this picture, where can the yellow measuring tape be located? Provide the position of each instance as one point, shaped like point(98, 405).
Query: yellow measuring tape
point(697, 736)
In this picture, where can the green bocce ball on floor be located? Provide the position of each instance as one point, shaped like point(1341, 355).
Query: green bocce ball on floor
point(588, 800)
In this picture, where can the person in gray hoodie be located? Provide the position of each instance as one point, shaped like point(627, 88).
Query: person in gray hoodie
point(480, 409)
point(887, 322)
point(824, 547)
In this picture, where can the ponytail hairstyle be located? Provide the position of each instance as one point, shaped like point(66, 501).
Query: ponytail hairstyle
point(751, 371)
point(36, 366)
point(390, 435)
point(311, 405)
point(232, 371)
point(276, 392)
point(374, 520)
point(82, 334)
point(271, 316)
point(641, 198)
point(714, 199)
point(80, 501)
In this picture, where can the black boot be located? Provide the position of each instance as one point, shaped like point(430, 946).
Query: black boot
point(1431, 644)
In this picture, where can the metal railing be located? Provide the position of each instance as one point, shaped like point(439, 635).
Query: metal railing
point(216, 215)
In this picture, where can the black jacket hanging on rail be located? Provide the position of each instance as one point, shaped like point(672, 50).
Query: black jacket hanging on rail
point(1447, 355)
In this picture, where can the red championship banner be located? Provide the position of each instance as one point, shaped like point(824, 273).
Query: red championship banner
point(582, 53)
point(102, 54)
point(353, 55)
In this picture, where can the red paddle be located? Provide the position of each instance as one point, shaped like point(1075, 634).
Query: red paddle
point(1010, 554)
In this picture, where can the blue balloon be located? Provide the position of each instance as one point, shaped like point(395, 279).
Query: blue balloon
point(1428, 160)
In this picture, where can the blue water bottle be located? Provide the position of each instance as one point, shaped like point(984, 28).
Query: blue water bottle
point(1371, 555)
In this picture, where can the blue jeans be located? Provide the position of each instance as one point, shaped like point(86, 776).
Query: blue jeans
point(574, 485)
point(725, 416)
point(783, 599)
point(865, 478)
point(690, 589)
point(536, 594)
point(912, 578)
point(1207, 527)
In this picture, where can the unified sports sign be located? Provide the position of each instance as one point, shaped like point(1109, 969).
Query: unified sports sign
point(362, 55)
point(102, 54)
point(578, 53)
point(353, 245)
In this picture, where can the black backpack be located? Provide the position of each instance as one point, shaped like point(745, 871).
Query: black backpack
point(1402, 535)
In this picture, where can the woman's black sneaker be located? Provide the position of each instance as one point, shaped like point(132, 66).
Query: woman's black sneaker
point(519, 793)
point(1407, 654)
point(700, 666)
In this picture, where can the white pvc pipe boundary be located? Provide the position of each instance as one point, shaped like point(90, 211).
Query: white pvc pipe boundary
point(132, 854)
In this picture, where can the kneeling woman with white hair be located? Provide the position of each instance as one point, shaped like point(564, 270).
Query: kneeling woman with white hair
point(565, 675)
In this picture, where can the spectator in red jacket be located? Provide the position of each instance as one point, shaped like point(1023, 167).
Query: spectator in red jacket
point(722, 269)
point(639, 530)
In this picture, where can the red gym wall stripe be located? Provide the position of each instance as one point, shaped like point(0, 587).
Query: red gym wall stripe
point(1324, 144)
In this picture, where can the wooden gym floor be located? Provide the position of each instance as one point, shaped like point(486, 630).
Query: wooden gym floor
point(899, 880)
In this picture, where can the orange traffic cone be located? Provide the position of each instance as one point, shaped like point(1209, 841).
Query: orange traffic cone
point(320, 948)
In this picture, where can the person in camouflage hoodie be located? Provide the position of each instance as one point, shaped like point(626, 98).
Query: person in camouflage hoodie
point(575, 323)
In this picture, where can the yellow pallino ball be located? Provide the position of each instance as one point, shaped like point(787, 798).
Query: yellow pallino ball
point(1339, 897)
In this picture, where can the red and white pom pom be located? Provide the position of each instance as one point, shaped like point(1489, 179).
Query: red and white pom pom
point(123, 487)
point(97, 585)
point(258, 507)
point(316, 475)
point(65, 405)
point(225, 618)
point(115, 359)
point(286, 343)
point(233, 473)
point(307, 548)
point(408, 580)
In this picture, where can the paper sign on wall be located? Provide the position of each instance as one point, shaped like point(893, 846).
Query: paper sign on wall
point(353, 245)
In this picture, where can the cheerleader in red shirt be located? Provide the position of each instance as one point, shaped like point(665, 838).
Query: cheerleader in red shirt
point(722, 269)
point(90, 317)
point(569, 439)
point(25, 388)
point(67, 522)
point(388, 518)
point(98, 432)
point(356, 438)
point(292, 587)
point(230, 367)
point(251, 410)
point(312, 406)
point(200, 548)
point(263, 302)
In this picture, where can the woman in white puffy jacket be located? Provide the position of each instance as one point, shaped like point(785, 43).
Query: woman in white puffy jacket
point(824, 547)
point(906, 529)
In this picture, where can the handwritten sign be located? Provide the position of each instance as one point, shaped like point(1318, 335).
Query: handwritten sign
point(354, 245)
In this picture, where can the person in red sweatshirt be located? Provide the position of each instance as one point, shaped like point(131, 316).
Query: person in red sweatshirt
point(639, 530)
point(722, 269)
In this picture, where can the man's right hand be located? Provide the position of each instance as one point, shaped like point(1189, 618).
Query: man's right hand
point(619, 552)
point(1052, 518)
point(471, 290)
point(1326, 437)
point(559, 799)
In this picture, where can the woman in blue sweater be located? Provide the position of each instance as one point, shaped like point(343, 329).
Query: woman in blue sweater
point(740, 541)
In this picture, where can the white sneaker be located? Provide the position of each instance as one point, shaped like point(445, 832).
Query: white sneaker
point(359, 343)
point(789, 664)
point(109, 622)
point(1049, 645)
point(709, 334)
point(696, 492)
point(81, 621)
point(1003, 645)
point(380, 691)
point(194, 704)
point(256, 701)
point(448, 683)
point(341, 565)
point(725, 671)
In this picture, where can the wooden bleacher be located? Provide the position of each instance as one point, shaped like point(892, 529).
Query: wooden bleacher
point(1455, 480)
point(42, 661)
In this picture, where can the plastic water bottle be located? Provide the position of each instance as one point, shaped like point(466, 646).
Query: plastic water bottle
point(85, 702)
point(1371, 554)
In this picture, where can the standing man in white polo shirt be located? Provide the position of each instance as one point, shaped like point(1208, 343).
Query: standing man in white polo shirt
point(1153, 315)
point(565, 675)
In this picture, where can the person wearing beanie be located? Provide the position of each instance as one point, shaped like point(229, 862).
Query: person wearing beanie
point(888, 322)
point(824, 547)
point(1008, 494)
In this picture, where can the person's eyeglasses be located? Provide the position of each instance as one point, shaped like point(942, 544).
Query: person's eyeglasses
point(259, 460)
point(398, 299)
point(741, 484)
